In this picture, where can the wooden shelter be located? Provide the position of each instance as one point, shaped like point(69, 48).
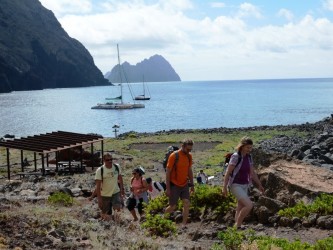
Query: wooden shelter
point(44, 144)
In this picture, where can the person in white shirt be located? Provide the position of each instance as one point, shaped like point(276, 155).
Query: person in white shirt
point(202, 177)
point(154, 188)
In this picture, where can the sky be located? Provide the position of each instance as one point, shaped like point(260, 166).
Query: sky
point(206, 40)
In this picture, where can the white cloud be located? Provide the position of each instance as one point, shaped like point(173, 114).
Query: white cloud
point(221, 48)
point(249, 10)
point(217, 5)
point(328, 4)
point(287, 14)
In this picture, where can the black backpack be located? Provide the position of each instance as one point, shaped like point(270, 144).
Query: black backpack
point(171, 149)
point(227, 158)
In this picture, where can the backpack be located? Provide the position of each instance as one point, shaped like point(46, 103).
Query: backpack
point(171, 149)
point(227, 158)
point(157, 187)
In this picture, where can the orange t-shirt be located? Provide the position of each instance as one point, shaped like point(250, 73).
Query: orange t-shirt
point(180, 175)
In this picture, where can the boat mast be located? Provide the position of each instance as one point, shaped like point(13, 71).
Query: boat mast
point(143, 85)
point(121, 82)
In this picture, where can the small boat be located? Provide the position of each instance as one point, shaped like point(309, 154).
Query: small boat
point(143, 97)
point(117, 102)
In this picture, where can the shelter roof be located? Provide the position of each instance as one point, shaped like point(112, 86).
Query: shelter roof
point(51, 142)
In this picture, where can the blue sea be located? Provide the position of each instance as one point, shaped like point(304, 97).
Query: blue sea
point(173, 105)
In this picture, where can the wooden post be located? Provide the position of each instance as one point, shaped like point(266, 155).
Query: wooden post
point(57, 160)
point(69, 159)
point(47, 160)
point(22, 167)
point(35, 161)
point(81, 161)
point(43, 167)
point(102, 148)
point(8, 164)
point(92, 156)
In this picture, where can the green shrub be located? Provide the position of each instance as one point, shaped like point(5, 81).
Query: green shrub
point(267, 243)
point(206, 196)
point(157, 205)
point(159, 225)
point(60, 198)
point(299, 210)
point(232, 239)
point(324, 244)
point(322, 205)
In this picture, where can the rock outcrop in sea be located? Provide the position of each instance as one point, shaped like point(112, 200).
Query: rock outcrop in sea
point(154, 69)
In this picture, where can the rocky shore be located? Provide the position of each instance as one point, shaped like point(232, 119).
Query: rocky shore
point(292, 168)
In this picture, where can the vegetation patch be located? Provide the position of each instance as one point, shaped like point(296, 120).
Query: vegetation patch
point(233, 239)
point(322, 205)
point(159, 225)
point(60, 198)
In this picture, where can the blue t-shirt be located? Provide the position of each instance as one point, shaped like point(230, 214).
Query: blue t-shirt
point(243, 174)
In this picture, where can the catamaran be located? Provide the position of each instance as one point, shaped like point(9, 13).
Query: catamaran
point(117, 102)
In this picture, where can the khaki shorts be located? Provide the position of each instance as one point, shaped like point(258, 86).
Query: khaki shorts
point(239, 190)
point(109, 202)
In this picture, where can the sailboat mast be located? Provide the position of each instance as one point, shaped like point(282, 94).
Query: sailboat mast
point(143, 85)
point(121, 82)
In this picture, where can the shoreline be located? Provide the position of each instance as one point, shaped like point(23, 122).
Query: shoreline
point(303, 127)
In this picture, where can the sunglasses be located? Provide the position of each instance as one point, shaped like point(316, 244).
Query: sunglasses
point(110, 159)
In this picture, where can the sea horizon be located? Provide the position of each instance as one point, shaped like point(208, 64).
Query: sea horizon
point(174, 105)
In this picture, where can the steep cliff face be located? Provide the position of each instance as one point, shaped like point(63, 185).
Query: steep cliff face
point(37, 53)
point(154, 69)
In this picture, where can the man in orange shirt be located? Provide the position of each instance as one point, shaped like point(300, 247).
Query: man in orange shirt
point(179, 178)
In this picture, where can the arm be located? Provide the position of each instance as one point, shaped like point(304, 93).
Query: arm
point(190, 176)
point(98, 192)
point(167, 181)
point(255, 178)
point(145, 186)
point(226, 179)
point(121, 185)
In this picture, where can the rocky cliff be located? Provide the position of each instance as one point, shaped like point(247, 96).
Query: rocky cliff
point(154, 69)
point(37, 53)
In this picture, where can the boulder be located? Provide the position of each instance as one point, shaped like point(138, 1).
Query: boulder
point(272, 205)
point(263, 214)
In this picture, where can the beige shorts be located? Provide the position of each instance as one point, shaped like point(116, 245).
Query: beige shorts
point(239, 190)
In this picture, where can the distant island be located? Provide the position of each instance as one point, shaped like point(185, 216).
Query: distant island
point(154, 69)
point(37, 53)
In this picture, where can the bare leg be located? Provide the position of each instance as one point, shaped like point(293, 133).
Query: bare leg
point(246, 208)
point(170, 209)
point(238, 209)
point(116, 215)
point(134, 215)
point(186, 209)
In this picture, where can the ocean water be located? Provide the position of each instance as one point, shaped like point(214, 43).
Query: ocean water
point(173, 105)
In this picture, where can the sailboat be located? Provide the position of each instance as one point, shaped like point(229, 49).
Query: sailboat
point(143, 97)
point(117, 102)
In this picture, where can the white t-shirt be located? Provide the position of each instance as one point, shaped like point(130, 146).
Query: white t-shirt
point(203, 177)
point(109, 185)
point(155, 192)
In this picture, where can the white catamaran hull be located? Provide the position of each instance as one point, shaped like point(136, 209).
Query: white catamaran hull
point(118, 106)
